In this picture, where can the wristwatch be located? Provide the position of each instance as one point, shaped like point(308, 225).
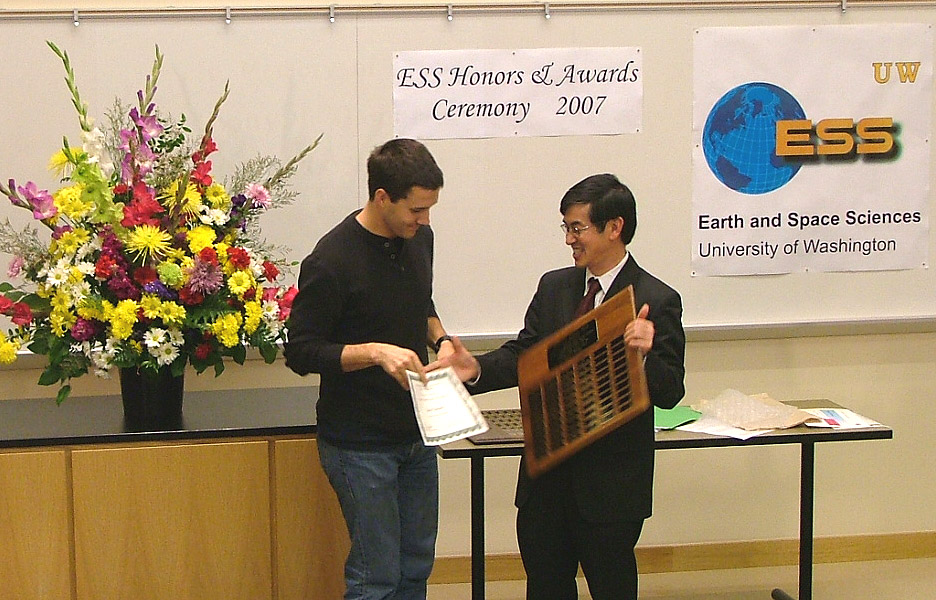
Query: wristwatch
point(438, 343)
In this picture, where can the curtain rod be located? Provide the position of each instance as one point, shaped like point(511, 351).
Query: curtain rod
point(448, 9)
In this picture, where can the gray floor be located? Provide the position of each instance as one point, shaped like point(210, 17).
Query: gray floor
point(880, 580)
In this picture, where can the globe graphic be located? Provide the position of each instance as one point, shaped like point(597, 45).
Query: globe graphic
point(739, 139)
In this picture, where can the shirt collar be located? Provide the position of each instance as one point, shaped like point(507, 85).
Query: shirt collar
point(607, 279)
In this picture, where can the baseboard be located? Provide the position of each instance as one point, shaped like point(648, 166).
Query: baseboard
point(720, 555)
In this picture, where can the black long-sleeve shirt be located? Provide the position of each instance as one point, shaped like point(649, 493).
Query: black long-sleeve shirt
point(358, 287)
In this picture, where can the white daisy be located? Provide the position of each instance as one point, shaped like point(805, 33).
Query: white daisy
point(154, 338)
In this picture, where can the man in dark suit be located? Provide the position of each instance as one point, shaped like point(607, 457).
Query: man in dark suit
point(589, 510)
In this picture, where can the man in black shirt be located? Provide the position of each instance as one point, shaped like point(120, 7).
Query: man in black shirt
point(363, 316)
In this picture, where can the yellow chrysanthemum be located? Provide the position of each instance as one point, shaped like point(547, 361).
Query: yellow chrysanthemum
point(240, 282)
point(191, 201)
point(200, 238)
point(217, 197)
point(148, 241)
point(60, 300)
point(70, 201)
point(61, 322)
point(69, 242)
point(92, 308)
point(172, 313)
point(122, 319)
point(58, 163)
point(8, 349)
point(150, 304)
point(227, 329)
point(253, 312)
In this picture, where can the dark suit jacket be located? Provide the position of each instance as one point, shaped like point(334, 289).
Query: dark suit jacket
point(612, 478)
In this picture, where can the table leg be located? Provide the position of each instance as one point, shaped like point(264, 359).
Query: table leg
point(807, 491)
point(807, 473)
point(477, 528)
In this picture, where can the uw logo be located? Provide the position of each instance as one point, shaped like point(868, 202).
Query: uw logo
point(906, 71)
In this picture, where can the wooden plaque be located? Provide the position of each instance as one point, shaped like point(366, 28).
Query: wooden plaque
point(580, 384)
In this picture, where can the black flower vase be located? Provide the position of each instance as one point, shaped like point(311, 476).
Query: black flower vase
point(152, 401)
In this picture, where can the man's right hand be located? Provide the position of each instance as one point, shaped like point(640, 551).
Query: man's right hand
point(461, 360)
point(396, 361)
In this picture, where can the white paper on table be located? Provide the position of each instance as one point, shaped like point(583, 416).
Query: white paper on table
point(713, 426)
point(839, 418)
point(445, 411)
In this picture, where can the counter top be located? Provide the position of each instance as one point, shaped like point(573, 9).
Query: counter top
point(39, 422)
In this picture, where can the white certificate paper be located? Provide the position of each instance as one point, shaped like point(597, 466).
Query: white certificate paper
point(445, 411)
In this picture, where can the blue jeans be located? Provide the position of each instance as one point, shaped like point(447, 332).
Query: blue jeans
point(390, 501)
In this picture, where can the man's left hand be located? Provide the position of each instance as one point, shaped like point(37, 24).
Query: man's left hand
point(639, 332)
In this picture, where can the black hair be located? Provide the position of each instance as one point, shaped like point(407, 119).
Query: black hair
point(399, 165)
point(607, 198)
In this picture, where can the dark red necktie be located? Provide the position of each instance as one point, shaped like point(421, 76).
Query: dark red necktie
point(588, 300)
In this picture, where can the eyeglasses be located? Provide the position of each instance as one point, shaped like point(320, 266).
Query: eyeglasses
point(574, 229)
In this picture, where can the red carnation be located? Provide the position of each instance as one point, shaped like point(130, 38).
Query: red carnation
point(105, 267)
point(144, 275)
point(208, 255)
point(202, 351)
point(239, 257)
point(190, 298)
point(270, 271)
point(22, 315)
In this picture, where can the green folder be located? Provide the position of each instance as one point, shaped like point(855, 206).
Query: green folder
point(674, 417)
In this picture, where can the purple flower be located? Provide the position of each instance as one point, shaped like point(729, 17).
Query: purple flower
point(148, 125)
point(83, 330)
point(205, 278)
point(123, 287)
point(59, 231)
point(159, 288)
point(40, 201)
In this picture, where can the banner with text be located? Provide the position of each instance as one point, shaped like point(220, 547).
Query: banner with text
point(505, 93)
point(811, 148)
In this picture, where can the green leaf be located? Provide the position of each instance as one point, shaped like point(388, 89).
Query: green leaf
point(268, 351)
point(5, 287)
point(239, 354)
point(50, 376)
point(63, 393)
point(219, 367)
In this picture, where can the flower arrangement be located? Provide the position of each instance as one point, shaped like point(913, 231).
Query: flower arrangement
point(146, 261)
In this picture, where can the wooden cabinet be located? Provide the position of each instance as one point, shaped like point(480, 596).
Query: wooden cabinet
point(311, 538)
point(213, 520)
point(35, 559)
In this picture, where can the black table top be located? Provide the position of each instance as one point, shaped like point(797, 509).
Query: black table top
point(39, 422)
point(675, 439)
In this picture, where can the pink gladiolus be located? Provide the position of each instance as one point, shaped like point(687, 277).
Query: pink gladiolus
point(40, 201)
point(149, 126)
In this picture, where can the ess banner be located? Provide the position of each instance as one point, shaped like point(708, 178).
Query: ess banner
point(507, 93)
point(811, 148)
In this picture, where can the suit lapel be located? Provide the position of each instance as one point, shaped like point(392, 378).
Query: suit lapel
point(571, 293)
point(626, 277)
